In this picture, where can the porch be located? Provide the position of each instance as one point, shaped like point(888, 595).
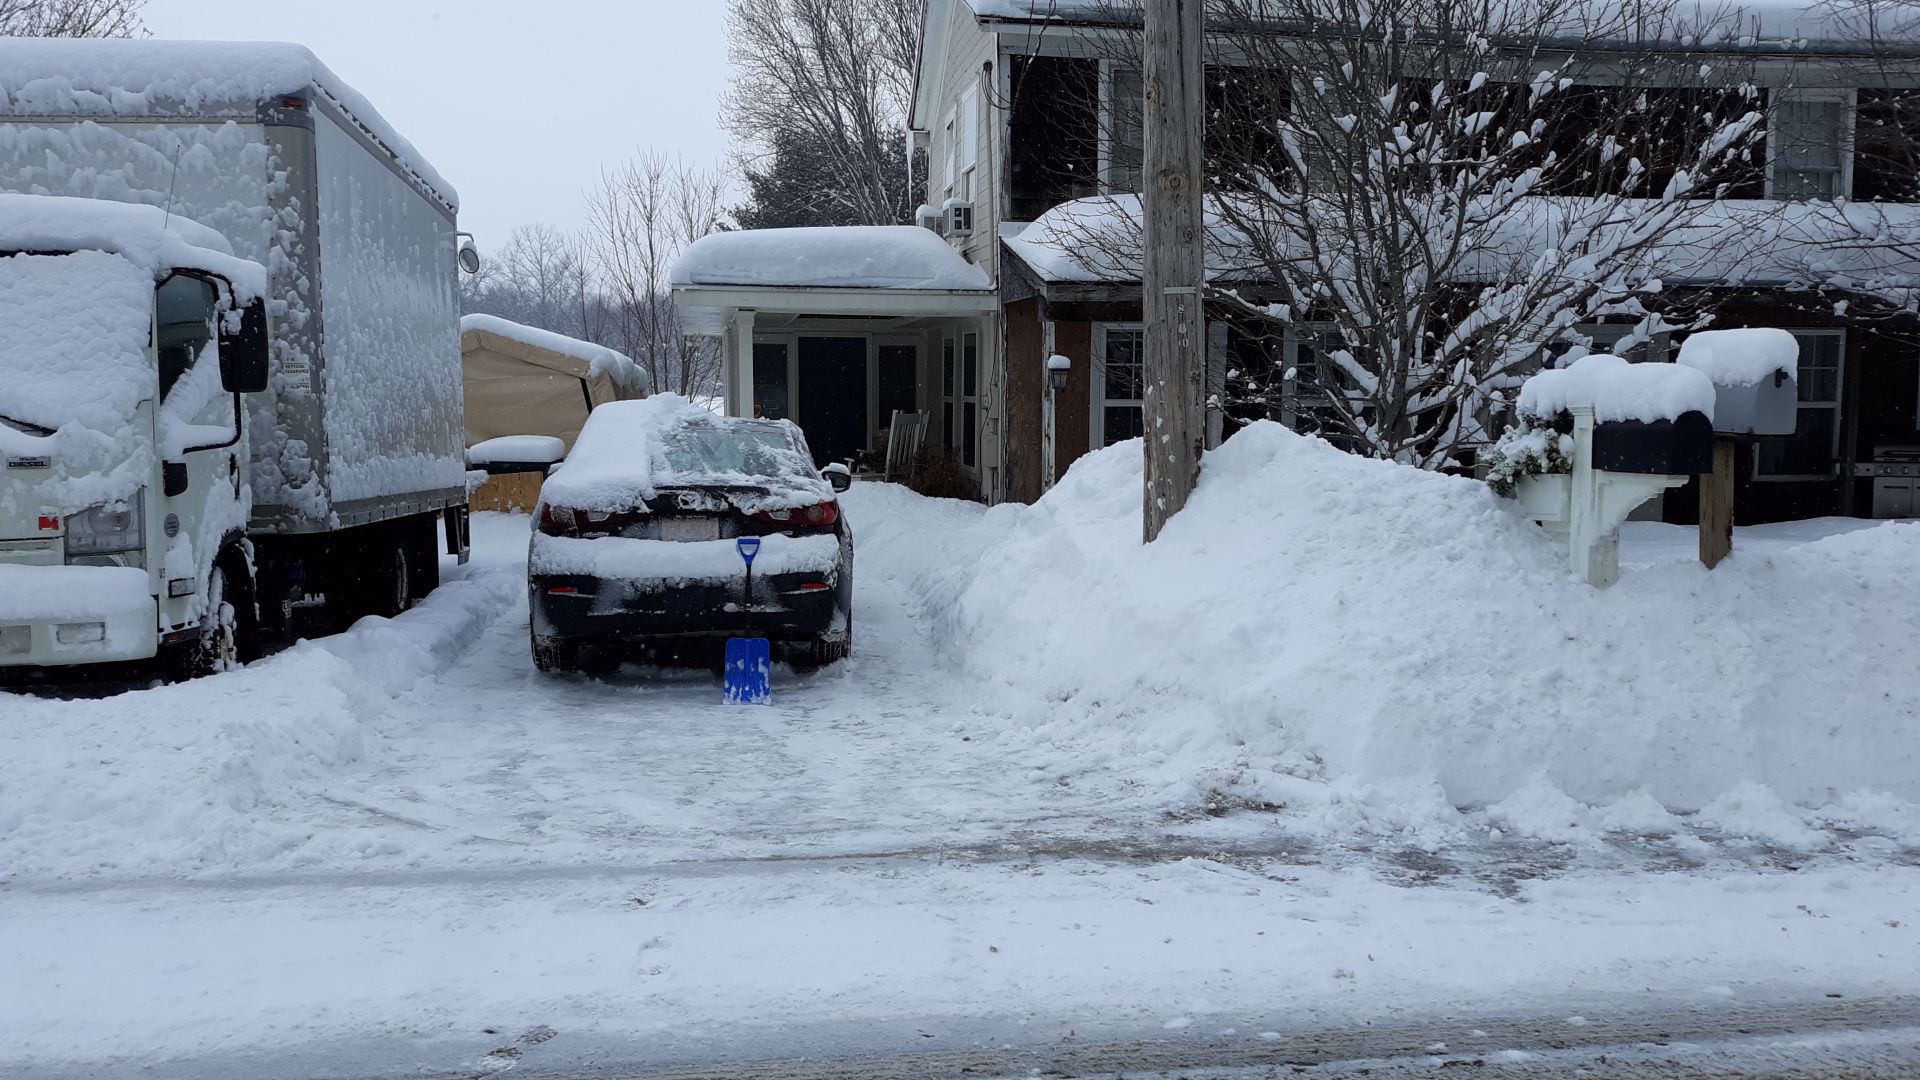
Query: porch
point(835, 329)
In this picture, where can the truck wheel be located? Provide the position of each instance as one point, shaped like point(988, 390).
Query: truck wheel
point(555, 654)
point(228, 632)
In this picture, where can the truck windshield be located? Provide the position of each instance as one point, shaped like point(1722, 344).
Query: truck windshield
point(183, 313)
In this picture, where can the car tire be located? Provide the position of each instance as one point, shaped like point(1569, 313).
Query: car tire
point(825, 650)
point(554, 654)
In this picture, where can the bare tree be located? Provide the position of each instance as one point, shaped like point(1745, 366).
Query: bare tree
point(641, 217)
point(837, 76)
point(1425, 195)
point(71, 18)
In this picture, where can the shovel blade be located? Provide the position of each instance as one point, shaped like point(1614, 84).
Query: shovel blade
point(749, 673)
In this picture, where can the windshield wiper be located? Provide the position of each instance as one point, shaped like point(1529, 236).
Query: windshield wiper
point(25, 428)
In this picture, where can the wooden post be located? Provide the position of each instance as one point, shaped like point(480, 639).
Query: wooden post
point(1174, 268)
point(1716, 504)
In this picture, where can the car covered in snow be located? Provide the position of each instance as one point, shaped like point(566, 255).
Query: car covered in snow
point(636, 539)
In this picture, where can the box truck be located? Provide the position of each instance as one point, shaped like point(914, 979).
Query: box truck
point(291, 421)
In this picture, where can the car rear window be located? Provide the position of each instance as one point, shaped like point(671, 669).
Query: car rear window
point(729, 452)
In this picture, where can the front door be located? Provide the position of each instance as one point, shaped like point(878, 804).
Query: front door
point(833, 396)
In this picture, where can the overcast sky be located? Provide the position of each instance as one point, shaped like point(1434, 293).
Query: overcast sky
point(519, 104)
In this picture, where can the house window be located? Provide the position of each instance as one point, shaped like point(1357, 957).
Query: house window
point(1122, 128)
point(1810, 145)
point(949, 431)
point(1313, 377)
point(1119, 383)
point(1813, 450)
point(969, 145)
point(969, 400)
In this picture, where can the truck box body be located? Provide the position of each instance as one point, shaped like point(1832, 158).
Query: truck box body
point(364, 419)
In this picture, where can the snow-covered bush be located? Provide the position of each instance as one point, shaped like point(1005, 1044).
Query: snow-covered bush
point(1530, 448)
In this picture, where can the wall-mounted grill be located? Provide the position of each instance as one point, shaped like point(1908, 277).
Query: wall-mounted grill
point(1896, 480)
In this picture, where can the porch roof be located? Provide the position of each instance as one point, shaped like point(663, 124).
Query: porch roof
point(854, 270)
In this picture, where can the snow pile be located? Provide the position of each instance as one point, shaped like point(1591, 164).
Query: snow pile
point(184, 779)
point(1745, 357)
point(517, 450)
point(629, 450)
point(867, 256)
point(1618, 390)
point(73, 378)
point(600, 360)
point(146, 236)
point(1374, 646)
point(114, 78)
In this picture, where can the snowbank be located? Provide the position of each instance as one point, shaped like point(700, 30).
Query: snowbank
point(1375, 646)
point(181, 780)
point(599, 359)
point(866, 256)
point(629, 450)
point(1618, 390)
point(1741, 357)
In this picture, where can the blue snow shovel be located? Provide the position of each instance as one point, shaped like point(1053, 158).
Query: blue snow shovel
point(749, 659)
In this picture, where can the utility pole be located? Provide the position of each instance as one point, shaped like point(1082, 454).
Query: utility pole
point(1174, 270)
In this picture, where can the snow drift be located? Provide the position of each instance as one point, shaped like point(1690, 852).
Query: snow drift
point(1360, 639)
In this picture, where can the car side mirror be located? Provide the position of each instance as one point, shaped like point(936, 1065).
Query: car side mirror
point(173, 478)
point(244, 355)
point(838, 475)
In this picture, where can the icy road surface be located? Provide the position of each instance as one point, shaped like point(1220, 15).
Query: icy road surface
point(424, 859)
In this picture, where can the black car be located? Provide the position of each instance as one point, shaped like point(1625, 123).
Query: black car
point(636, 540)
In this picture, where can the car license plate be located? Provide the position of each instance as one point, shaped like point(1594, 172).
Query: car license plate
point(696, 528)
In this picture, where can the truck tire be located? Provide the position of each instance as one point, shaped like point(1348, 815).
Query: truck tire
point(229, 632)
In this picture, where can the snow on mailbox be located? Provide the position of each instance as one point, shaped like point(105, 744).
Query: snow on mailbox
point(1595, 440)
point(1753, 373)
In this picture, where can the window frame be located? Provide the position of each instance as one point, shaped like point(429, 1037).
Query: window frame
point(1098, 402)
point(966, 395)
point(1849, 115)
point(1108, 134)
point(1834, 406)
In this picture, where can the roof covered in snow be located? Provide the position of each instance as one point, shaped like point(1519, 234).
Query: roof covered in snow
point(599, 359)
point(901, 257)
point(114, 77)
point(146, 236)
point(1763, 25)
point(1863, 248)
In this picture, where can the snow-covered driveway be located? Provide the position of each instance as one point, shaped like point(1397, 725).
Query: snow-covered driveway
point(402, 850)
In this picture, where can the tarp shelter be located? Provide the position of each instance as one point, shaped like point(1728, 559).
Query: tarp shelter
point(521, 380)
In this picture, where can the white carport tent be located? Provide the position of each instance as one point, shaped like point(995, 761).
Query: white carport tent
point(879, 283)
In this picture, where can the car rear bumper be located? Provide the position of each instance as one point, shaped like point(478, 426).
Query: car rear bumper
point(785, 606)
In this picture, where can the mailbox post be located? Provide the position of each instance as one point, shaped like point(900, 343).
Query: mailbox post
point(1754, 394)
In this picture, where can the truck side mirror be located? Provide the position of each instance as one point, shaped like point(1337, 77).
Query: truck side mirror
point(244, 354)
point(173, 478)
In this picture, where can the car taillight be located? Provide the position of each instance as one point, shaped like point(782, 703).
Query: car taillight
point(566, 521)
point(825, 513)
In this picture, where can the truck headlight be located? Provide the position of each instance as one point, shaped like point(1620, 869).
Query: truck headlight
point(111, 535)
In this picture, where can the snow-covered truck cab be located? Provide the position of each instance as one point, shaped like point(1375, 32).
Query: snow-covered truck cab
point(128, 339)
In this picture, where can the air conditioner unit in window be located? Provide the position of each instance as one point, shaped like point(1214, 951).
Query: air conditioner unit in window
point(930, 217)
point(959, 218)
